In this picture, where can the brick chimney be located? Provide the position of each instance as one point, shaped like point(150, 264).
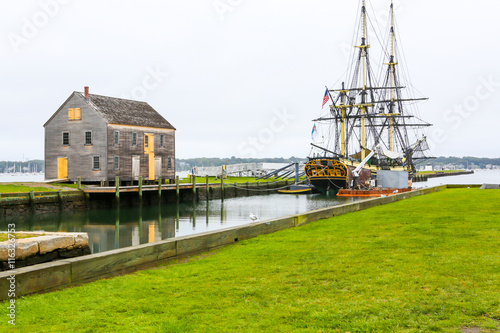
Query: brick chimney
point(86, 93)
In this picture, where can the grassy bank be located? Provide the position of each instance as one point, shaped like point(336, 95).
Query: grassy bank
point(430, 263)
point(4, 236)
point(18, 188)
point(36, 187)
point(442, 171)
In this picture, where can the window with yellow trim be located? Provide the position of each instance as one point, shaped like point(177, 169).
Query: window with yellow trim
point(74, 114)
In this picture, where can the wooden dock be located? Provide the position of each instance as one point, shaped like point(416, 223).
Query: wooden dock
point(137, 188)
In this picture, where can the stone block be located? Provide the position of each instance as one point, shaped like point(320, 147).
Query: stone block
point(81, 239)
point(51, 243)
point(26, 248)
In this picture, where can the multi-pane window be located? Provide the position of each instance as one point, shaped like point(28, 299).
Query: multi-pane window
point(169, 163)
point(116, 137)
point(117, 163)
point(88, 138)
point(146, 141)
point(162, 138)
point(74, 114)
point(65, 138)
point(134, 139)
point(96, 163)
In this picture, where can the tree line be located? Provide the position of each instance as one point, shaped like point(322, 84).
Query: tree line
point(188, 164)
point(466, 161)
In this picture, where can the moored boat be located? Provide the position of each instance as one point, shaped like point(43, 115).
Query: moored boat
point(371, 123)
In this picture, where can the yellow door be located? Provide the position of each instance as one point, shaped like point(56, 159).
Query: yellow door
point(62, 168)
point(149, 149)
point(151, 166)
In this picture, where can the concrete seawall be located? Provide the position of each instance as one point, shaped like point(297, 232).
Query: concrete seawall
point(67, 272)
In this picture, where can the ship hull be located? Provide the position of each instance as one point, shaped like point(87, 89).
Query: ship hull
point(329, 175)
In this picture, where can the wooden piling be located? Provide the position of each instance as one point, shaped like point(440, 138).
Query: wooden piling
point(140, 188)
point(117, 189)
point(79, 183)
point(222, 186)
point(207, 188)
point(194, 183)
point(159, 187)
point(177, 192)
point(32, 199)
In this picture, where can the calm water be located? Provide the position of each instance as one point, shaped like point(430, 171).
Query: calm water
point(111, 228)
point(478, 177)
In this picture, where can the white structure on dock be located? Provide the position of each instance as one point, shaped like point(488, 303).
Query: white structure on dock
point(244, 170)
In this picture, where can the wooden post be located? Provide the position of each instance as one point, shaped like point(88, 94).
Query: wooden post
point(32, 199)
point(194, 184)
point(177, 186)
point(79, 183)
point(87, 199)
point(117, 229)
point(222, 186)
point(159, 187)
point(140, 188)
point(207, 188)
point(60, 196)
point(117, 189)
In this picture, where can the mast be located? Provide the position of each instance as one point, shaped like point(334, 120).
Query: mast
point(342, 122)
point(367, 113)
point(363, 48)
point(392, 73)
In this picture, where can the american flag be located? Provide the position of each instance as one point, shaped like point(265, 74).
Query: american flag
point(325, 98)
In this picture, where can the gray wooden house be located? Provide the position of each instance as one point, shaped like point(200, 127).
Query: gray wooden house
point(98, 138)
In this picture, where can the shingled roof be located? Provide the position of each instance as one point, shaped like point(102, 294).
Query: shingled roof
point(126, 112)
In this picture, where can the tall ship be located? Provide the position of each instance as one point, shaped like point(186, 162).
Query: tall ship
point(372, 121)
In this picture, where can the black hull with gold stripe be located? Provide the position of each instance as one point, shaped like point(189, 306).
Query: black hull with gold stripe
point(329, 175)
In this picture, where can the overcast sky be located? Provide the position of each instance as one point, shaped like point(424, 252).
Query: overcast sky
point(241, 78)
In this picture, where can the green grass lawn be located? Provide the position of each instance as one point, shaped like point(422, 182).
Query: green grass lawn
point(26, 187)
point(15, 188)
point(4, 236)
point(442, 171)
point(430, 263)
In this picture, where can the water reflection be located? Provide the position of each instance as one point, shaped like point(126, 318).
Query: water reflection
point(116, 228)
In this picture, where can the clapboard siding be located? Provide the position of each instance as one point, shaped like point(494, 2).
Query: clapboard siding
point(80, 156)
point(95, 119)
point(125, 150)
